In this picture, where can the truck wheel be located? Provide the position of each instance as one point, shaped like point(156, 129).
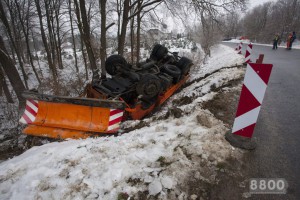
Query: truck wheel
point(158, 52)
point(114, 63)
point(171, 70)
point(185, 65)
point(149, 86)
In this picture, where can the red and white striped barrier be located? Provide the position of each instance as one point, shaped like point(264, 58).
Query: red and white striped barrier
point(30, 113)
point(240, 48)
point(237, 47)
point(253, 91)
point(260, 58)
point(248, 53)
point(115, 118)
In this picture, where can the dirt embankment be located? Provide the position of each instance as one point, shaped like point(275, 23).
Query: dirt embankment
point(229, 181)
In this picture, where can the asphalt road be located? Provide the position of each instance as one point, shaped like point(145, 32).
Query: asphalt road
point(278, 128)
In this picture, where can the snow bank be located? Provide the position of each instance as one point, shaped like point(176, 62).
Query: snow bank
point(296, 44)
point(221, 56)
point(155, 159)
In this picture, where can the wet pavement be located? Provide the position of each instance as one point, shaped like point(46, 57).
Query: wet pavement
point(278, 128)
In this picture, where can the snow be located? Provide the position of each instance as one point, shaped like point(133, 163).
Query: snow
point(156, 158)
point(167, 182)
point(155, 187)
point(296, 43)
point(222, 56)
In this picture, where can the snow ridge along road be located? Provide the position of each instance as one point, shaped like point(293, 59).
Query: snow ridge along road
point(160, 159)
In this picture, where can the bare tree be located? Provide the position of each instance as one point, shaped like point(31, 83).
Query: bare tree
point(10, 32)
point(102, 4)
point(11, 72)
point(57, 32)
point(45, 42)
point(72, 35)
point(281, 17)
point(137, 6)
point(83, 53)
point(208, 13)
point(138, 31)
point(24, 21)
point(255, 22)
point(3, 85)
point(231, 24)
point(122, 36)
point(84, 29)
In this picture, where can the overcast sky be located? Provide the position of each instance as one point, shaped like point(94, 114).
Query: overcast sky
point(253, 3)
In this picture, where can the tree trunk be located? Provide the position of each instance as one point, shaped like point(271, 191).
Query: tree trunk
point(132, 37)
point(12, 40)
point(84, 59)
point(138, 32)
point(103, 37)
point(4, 86)
point(119, 8)
point(49, 19)
point(84, 29)
point(58, 44)
point(36, 55)
point(1, 81)
point(44, 38)
point(73, 38)
point(11, 72)
point(26, 35)
point(122, 37)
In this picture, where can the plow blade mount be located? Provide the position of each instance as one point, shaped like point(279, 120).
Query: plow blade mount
point(65, 117)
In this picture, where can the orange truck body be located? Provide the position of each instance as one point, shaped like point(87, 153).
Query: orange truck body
point(83, 117)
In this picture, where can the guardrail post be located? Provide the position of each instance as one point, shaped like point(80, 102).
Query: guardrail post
point(248, 53)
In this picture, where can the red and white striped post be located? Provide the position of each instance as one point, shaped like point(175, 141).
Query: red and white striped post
point(248, 53)
point(237, 47)
point(115, 119)
point(240, 48)
point(260, 58)
point(253, 91)
point(30, 112)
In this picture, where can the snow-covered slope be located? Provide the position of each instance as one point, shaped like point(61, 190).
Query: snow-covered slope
point(156, 159)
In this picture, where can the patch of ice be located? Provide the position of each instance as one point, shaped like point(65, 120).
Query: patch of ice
point(167, 182)
point(155, 187)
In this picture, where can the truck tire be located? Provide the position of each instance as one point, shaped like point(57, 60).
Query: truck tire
point(158, 52)
point(149, 86)
point(115, 63)
point(184, 64)
point(171, 70)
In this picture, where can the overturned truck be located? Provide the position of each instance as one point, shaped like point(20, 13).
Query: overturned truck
point(132, 92)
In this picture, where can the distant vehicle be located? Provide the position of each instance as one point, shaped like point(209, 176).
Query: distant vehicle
point(243, 38)
point(228, 38)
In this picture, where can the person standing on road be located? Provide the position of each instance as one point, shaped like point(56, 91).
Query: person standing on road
point(293, 38)
point(288, 41)
point(275, 41)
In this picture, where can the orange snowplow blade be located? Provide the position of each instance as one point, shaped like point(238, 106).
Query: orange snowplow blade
point(70, 120)
point(58, 133)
